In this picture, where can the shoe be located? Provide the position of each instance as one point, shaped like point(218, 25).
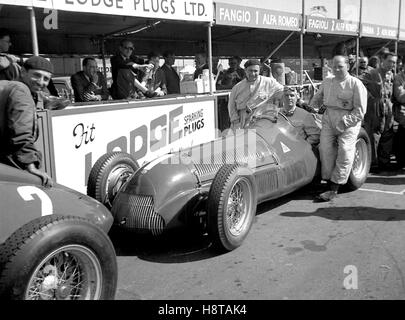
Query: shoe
point(327, 196)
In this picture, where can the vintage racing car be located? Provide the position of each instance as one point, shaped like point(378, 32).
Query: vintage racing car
point(53, 242)
point(216, 185)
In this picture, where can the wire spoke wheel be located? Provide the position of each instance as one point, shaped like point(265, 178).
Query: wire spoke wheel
point(361, 162)
point(231, 206)
point(360, 158)
point(72, 272)
point(239, 204)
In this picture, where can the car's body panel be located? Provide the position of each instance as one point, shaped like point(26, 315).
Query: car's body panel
point(23, 199)
point(166, 192)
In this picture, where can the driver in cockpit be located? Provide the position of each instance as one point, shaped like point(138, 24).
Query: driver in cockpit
point(304, 121)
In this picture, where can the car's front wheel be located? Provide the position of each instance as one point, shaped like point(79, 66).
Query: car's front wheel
point(361, 163)
point(58, 258)
point(231, 205)
point(108, 175)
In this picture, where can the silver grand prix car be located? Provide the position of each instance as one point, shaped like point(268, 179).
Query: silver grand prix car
point(216, 185)
point(53, 242)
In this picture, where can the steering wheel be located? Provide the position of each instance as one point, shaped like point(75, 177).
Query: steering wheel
point(267, 111)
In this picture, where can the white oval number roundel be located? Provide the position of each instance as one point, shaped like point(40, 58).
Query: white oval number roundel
point(27, 192)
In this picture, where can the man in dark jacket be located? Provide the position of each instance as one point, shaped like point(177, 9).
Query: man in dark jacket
point(379, 120)
point(200, 63)
point(399, 116)
point(125, 59)
point(18, 119)
point(172, 78)
point(89, 84)
point(230, 77)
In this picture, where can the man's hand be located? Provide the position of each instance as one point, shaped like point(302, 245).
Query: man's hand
point(340, 127)
point(91, 96)
point(46, 180)
point(159, 92)
point(94, 78)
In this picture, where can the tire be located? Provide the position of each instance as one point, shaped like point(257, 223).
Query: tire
point(361, 163)
point(58, 257)
point(228, 235)
point(108, 175)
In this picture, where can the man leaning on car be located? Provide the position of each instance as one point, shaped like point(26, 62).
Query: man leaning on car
point(344, 98)
point(18, 119)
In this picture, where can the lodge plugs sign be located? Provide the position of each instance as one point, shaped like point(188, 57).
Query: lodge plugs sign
point(158, 136)
point(158, 7)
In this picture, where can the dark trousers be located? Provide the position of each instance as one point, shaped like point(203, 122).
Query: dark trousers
point(381, 146)
point(399, 146)
point(385, 146)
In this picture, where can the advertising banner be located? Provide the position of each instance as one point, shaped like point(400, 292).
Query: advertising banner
point(232, 15)
point(188, 10)
point(81, 138)
point(331, 26)
point(378, 31)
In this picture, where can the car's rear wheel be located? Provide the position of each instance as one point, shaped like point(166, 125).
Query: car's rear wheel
point(231, 206)
point(58, 258)
point(361, 163)
point(108, 175)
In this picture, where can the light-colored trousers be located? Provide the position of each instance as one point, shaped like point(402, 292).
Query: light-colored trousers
point(337, 149)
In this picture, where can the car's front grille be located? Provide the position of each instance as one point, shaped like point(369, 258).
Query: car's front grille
point(142, 215)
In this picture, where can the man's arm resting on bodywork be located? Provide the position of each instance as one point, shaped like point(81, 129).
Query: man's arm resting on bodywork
point(20, 123)
point(21, 113)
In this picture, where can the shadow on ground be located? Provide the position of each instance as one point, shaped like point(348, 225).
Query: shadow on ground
point(352, 213)
point(181, 246)
point(173, 247)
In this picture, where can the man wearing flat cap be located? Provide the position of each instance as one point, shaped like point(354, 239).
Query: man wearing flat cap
point(301, 119)
point(249, 91)
point(18, 119)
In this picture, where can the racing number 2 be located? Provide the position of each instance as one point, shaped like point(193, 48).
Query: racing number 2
point(27, 192)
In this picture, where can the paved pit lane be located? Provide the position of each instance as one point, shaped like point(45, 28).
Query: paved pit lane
point(351, 248)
